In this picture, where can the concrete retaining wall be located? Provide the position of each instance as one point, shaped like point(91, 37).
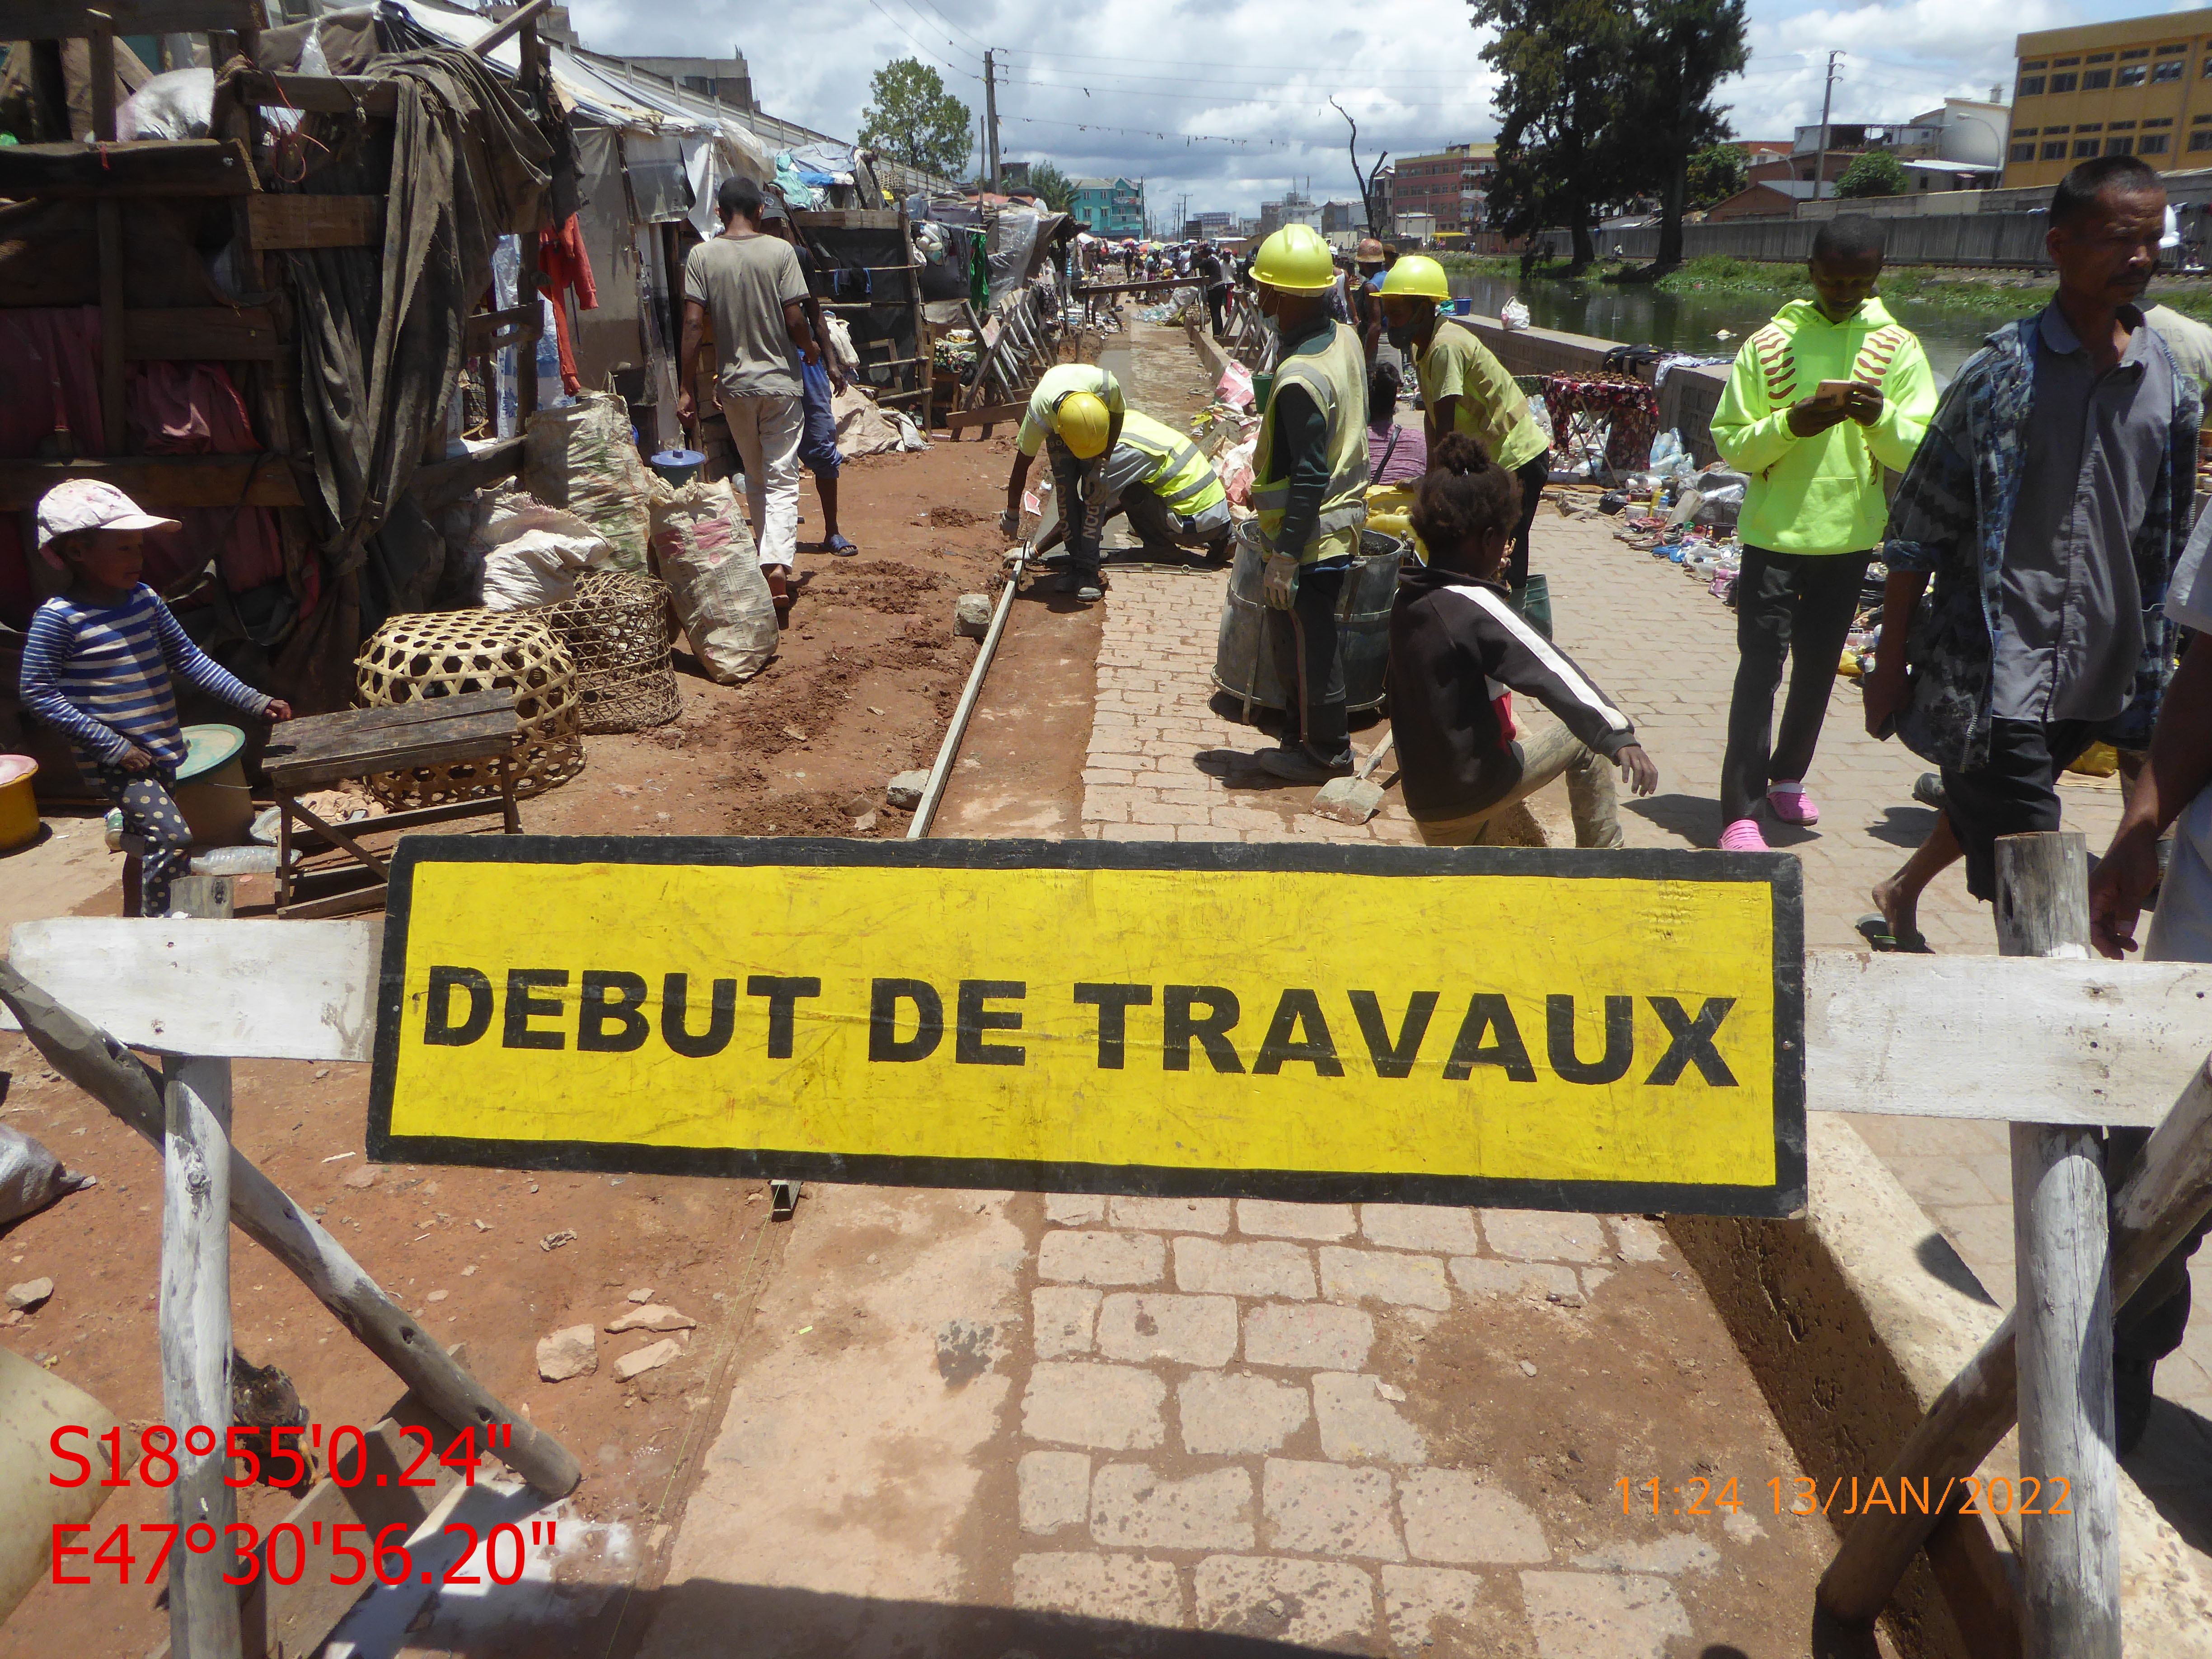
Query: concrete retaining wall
point(1947, 239)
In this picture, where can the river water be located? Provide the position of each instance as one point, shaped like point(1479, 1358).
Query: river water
point(1693, 322)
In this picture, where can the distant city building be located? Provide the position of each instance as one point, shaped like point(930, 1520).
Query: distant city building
point(1292, 209)
point(553, 22)
point(726, 80)
point(1343, 215)
point(1960, 146)
point(2130, 87)
point(1451, 187)
point(1109, 207)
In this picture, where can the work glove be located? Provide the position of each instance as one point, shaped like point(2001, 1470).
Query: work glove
point(1009, 525)
point(1279, 582)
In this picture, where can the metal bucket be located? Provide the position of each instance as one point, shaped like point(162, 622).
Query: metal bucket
point(1245, 665)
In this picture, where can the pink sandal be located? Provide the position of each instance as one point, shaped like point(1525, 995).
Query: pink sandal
point(1788, 801)
point(1742, 836)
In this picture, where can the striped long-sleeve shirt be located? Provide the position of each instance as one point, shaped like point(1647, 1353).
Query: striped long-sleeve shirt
point(101, 674)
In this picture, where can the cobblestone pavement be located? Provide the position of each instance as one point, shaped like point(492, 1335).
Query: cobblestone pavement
point(1389, 1429)
point(1162, 766)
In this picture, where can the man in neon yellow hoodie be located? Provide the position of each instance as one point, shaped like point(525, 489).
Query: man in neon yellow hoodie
point(1813, 510)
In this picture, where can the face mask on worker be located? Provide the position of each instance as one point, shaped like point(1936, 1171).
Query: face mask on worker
point(1401, 334)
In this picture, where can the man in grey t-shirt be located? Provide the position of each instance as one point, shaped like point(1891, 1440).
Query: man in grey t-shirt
point(751, 286)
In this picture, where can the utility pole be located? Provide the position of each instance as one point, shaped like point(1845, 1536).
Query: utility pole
point(1827, 94)
point(991, 118)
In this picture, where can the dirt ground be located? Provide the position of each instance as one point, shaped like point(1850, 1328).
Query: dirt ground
point(867, 674)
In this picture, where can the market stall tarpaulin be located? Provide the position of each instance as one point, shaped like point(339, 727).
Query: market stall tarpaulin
point(1584, 1030)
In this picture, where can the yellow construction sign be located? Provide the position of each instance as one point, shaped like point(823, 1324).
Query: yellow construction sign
point(1538, 1030)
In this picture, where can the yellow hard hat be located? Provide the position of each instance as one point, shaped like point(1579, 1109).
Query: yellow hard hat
point(1417, 276)
point(1082, 424)
point(1296, 260)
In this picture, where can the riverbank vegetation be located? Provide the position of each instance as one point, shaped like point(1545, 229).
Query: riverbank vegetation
point(1951, 289)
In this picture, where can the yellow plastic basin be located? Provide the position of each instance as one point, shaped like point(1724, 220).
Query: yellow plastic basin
point(19, 807)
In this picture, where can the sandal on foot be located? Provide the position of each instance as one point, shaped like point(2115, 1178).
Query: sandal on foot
point(779, 587)
point(1874, 928)
point(1742, 835)
point(842, 546)
point(1789, 802)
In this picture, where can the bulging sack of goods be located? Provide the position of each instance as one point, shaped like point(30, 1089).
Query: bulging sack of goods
point(581, 457)
point(713, 576)
point(532, 553)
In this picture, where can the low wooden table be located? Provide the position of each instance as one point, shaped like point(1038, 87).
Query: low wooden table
point(321, 749)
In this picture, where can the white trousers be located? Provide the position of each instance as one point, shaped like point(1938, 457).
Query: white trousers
point(767, 431)
point(2181, 926)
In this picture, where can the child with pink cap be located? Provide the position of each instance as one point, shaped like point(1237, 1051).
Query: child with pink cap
point(97, 663)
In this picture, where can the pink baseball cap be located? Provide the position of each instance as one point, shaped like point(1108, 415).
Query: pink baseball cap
point(82, 504)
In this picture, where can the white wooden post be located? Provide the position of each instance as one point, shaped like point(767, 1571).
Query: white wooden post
point(2063, 1248)
point(195, 1326)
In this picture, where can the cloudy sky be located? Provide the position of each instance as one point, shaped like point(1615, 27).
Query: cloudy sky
point(1226, 102)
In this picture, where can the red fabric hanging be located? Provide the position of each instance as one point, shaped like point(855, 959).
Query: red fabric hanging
point(562, 262)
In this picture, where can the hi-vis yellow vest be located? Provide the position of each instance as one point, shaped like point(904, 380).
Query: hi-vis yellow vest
point(1179, 474)
point(1336, 378)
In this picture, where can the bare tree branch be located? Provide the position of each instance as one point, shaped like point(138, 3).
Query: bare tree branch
point(1363, 180)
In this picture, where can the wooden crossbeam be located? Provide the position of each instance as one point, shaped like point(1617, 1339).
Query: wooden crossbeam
point(196, 333)
point(161, 483)
point(158, 167)
point(298, 222)
point(320, 94)
point(61, 19)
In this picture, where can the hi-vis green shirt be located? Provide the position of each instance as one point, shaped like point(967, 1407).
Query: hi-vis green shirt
point(1821, 494)
point(1492, 408)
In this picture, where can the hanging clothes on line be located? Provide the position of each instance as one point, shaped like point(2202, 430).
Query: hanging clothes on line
point(563, 263)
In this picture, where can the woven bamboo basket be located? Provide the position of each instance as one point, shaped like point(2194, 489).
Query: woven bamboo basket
point(444, 653)
point(616, 629)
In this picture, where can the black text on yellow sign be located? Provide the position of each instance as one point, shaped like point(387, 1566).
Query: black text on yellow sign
point(1536, 1030)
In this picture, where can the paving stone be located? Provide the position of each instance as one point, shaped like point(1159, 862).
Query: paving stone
point(1325, 1509)
point(1231, 1415)
point(1673, 1556)
point(1545, 1236)
point(1314, 1336)
point(1173, 1215)
point(1454, 1517)
point(1074, 1209)
point(1063, 1315)
point(1359, 1425)
point(1264, 1269)
point(1099, 1258)
point(1328, 1605)
point(1421, 1227)
point(1053, 1489)
point(1635, 1239)
point(1486, 1275)
point(1121, 1588)
point(1269, 1219)
point(1592, 1278)
point(1184, 1330)
point(1403, 1281)
point(1134, 1507)
point(1415, 1598)
point(1602, 1615)
point(1112, 1407)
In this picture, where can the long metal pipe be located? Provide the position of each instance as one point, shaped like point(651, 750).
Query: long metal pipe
point(950, 749)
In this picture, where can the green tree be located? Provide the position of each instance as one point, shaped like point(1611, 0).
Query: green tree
point(1717, 172)
point(1565, 70)
point(912, 118)
point(1053, 188)
point(1681, 51)
point(1877, 172)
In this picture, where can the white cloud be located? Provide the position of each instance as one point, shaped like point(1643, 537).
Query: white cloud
point(1176, 74)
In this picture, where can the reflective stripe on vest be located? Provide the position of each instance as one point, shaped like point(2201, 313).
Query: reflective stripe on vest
point(1181, 476)
point(1336, 379)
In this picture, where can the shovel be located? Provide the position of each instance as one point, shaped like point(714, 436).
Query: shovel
point(1354, 799)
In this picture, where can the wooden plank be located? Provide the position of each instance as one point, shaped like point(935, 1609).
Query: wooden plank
point(961, 419)
point(320, 94)
point(849, 218)
point(163, 483)
point(293, 221)
point(313, 775)
point(2078, 1042)
point(444, 481)
point(275, 990)
point(312, 732)
point(101, 71)
point(161, 167)
point(60, 20)
point(2168, 1194)
point(516, 322)
point(499, 36)
point(195, 1336)
point(194, 333)
point(114, 328)
point(92, 1060)
point(2063, 1343)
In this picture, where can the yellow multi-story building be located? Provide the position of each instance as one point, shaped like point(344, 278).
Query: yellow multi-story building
point(2139, 87)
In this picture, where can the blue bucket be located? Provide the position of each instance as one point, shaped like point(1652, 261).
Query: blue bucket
point(678, 466)
point(1463, 307)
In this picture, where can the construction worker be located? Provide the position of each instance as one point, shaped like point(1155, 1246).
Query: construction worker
point(1366, 304)
point(1076, 412)
point(1465, 388)
point(1159, 477)
point(1308, 497)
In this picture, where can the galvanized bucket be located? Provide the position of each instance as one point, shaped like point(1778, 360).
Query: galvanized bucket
point(1244, 664)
